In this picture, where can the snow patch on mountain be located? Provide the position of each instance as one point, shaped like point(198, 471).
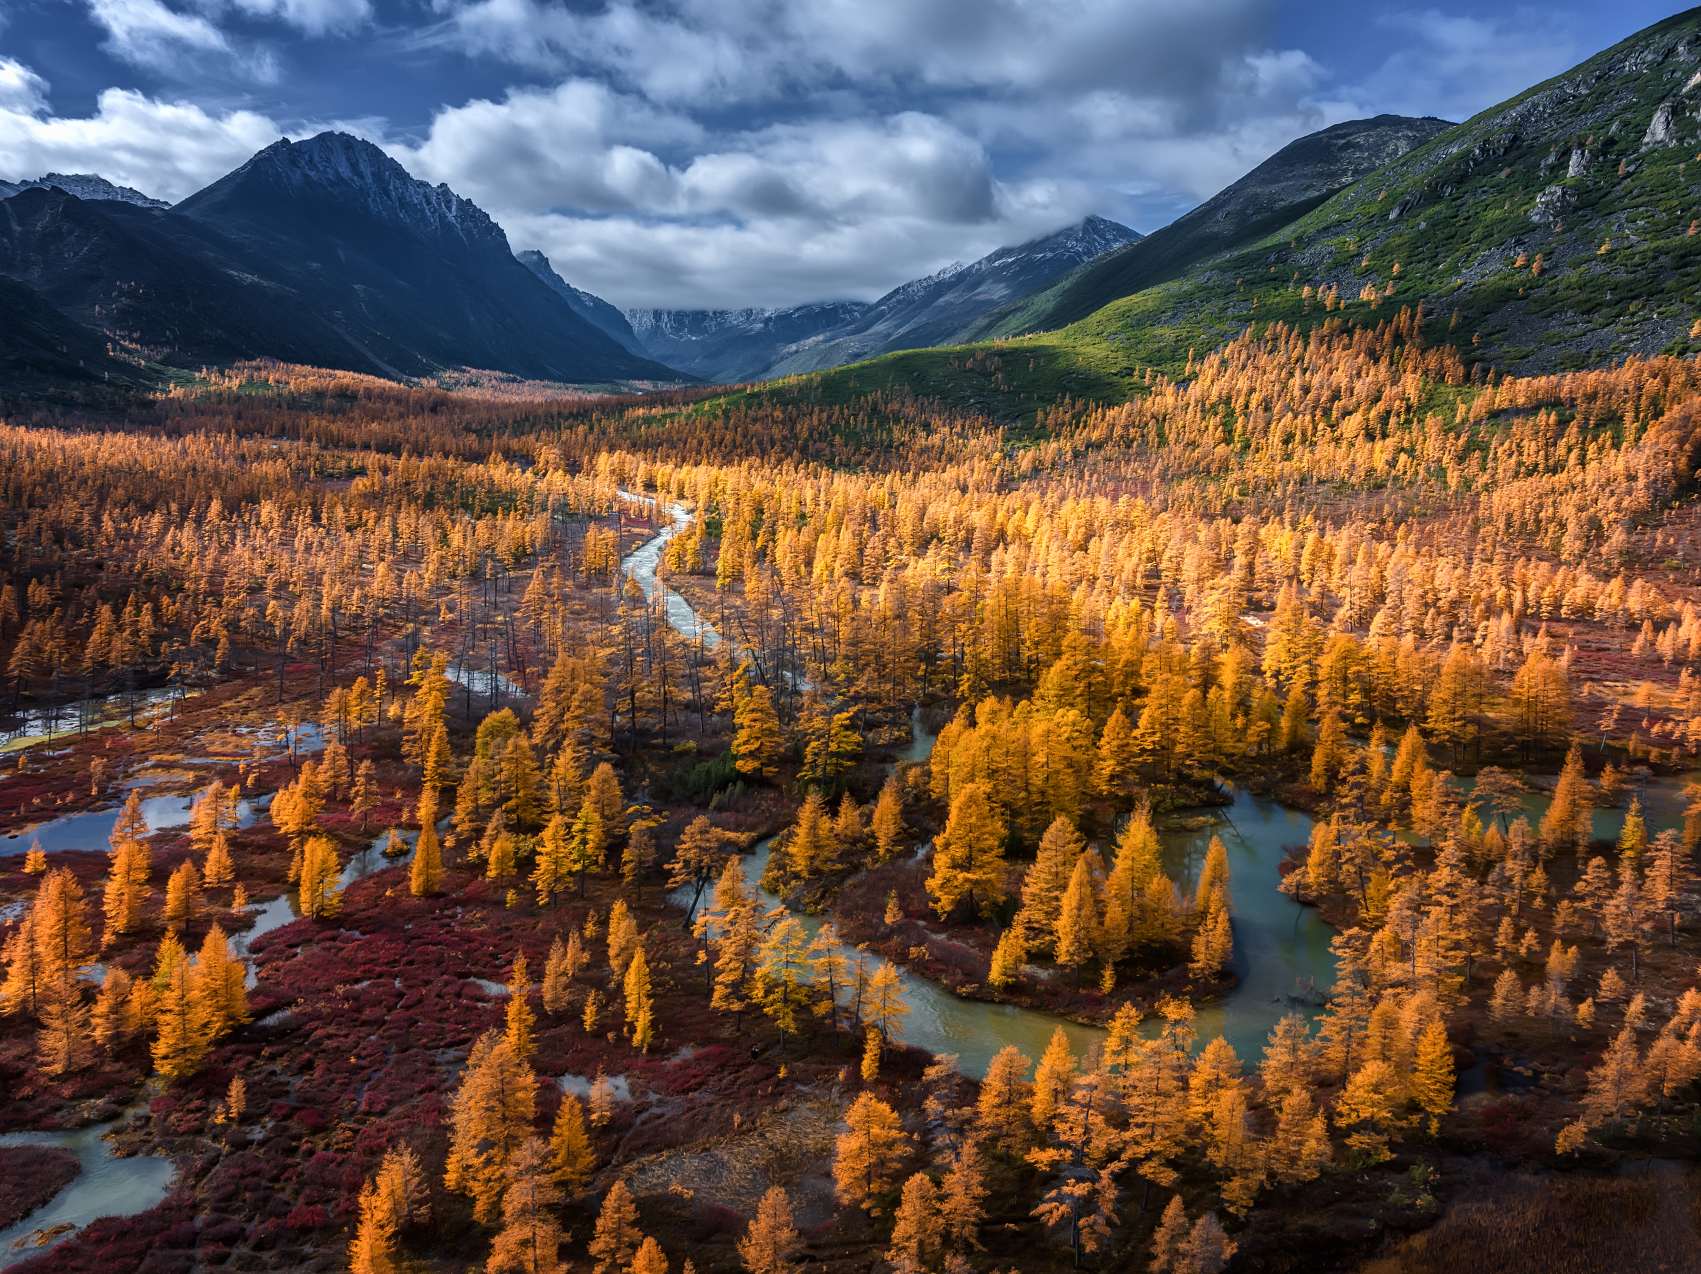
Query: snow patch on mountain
point(83, 186)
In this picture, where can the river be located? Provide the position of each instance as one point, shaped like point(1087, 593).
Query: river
point(1276, 942)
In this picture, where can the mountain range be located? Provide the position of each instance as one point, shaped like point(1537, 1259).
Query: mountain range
point(740, 345)
point(325, 252)
point(1553, 231)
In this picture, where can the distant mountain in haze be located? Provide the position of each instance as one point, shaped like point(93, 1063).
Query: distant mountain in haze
point(324, 251)
point(739, 345)
point(734, 345)
point(84, 186)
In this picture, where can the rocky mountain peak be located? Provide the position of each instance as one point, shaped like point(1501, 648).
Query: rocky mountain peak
point(83, 186)
point(354, 172)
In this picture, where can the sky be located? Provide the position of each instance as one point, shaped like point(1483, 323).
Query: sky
point(734, 153)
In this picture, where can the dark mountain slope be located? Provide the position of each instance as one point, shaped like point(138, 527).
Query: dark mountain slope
point(45, 354)
point(593, 309)
point(322, 252)
point(1287, 185)
point(412, 274)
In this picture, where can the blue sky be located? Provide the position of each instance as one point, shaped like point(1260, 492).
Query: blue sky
point(760, 152)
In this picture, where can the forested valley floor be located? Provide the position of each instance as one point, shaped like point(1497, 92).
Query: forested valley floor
point(374, 826)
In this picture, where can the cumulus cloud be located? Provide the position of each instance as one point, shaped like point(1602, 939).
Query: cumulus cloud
point(22, 91)
point(165, 149)
point(789, 212)
point(900, 134)
point(771, 152)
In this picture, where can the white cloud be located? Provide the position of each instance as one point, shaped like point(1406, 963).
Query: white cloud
point(1456, 66)
point(22, 91)
point(313, 17)
point(165, 149)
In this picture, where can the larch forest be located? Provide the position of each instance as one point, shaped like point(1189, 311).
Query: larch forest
point(540, 832)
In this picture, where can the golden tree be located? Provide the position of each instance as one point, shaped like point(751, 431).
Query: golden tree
point(770, 1244)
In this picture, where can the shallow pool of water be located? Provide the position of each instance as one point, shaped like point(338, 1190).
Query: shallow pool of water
point(107, 1186)
point(92, 829)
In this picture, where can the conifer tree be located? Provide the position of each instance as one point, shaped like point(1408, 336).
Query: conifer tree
point(757, 745)
point(603, 793)
point(1044, 885)
point(65, 1042)
point(557, 978)
point(426, 877)
point(622, 937)
point(1432, 1083)
point(639, 857)
point(1290, 1056)
point(530, 1239)
point(869, 1152)
point(320, 897)
point(1300, 1149)
point(617, 1236)
point(649, 1259)
point(1007, 960)
point(183, 896)
point(218, 869)
point(183, 1023)
point(1052, 1081)
point(871, 1052)
point(640, 1007)
point(1117, 769)
point(1213, 946)
point(518, 1034)
point(491, 1117)
point(813, 850)
point(220, 980)
point(553, 871)
point(782, 974)
point(1367, 1105)
point(885, 1011)
point(35, 859)
point(699, 859)
point(572, 1158)
point(364, 799)
point(1001, 1112)
point(968, 855)
point(372, 1248)
point(1617, 1084)
point(889, 820)
point(917, 1233)
point(1077, 920)
point(827, 966)
point(520, 781)
point(115, 1018)
point(127, 877)
point(962, 1195)
point(587, 842)
point(58, 927)
point(770, 1244)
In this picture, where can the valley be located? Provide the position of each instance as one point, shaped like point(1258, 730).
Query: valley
point(1173, 752)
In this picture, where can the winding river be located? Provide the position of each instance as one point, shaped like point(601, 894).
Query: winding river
point(1278, 944)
